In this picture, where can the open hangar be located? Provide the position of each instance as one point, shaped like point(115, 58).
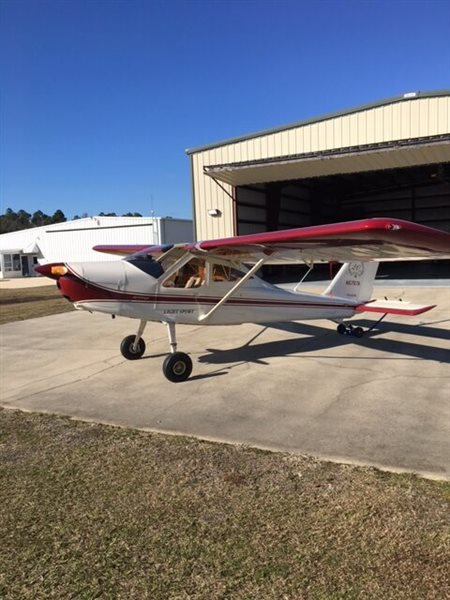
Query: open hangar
point(389, 158)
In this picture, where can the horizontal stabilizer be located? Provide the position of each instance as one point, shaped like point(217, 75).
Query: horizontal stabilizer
point(394, 307)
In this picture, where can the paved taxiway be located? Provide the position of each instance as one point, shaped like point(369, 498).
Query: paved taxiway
point(383, 400)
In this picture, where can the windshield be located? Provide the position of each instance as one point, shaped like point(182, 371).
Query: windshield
point(146, 263)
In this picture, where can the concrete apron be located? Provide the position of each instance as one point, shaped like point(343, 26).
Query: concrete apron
point(297, 387)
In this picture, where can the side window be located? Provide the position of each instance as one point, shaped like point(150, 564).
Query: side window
point(225, 273)
point(190, 275)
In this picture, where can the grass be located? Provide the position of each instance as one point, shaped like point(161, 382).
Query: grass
point(91, 511)
point(28, 303)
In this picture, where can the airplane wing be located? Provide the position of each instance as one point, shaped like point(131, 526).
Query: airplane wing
point(363, 240)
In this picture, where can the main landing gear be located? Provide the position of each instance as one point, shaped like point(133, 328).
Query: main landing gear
point(176, 367)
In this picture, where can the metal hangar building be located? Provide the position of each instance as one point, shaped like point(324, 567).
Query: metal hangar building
point(21, 251)
point(389, 158)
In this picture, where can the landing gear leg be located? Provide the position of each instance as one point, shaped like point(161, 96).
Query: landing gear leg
point(172, 337)
point(133, 346)
point(177, 365)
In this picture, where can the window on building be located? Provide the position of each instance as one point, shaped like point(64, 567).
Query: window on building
point(12, 262)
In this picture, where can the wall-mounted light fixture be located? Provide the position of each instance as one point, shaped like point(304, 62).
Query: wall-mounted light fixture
point(214, 212)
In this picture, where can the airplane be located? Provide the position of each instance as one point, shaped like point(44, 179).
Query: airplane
point(215, 282)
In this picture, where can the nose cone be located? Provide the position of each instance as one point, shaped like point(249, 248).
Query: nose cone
point(43, 270)
point(52, 270)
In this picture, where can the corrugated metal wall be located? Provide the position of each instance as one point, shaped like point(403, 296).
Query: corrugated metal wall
point(407, 119)
point(76, 244)
point(73, 240)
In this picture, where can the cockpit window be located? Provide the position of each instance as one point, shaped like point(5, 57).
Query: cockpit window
point(146, 263)
point(190, 275)
point(225, 273)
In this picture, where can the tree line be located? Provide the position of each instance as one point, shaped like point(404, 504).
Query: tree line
point(16, 221)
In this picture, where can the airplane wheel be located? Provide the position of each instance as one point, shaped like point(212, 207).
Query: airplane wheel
point(126, 348)
point(342, 329)
point(177, 367)
point(358, 332)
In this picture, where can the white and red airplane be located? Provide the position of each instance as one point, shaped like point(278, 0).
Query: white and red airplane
point(215, 283)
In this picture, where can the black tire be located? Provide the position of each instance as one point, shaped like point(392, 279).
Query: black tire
point(342, 329)
point(358, 332)
point(177, 367)
point(126, 348)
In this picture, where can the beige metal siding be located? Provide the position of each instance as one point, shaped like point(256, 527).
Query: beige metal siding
point(419, 117)
point(209, 195)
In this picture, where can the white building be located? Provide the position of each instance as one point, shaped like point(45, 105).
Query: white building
point(73, 240)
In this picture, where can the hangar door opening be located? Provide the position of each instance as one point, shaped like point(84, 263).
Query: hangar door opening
point(420, 194)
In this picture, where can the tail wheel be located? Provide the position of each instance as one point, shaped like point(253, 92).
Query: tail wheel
point(342, 329)
point(177, 367)
point(129, 351)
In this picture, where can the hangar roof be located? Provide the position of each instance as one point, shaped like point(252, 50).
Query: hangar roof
point(393, 100)
point(348, 160)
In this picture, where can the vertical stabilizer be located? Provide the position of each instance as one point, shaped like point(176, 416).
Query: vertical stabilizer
point(354, 281)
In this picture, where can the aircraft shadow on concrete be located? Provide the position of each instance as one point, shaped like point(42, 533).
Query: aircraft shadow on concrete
point(314, 338)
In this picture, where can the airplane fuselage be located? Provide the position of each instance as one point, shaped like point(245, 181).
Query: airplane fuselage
point(129, 292)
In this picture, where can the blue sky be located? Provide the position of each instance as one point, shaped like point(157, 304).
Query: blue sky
point(101, 98)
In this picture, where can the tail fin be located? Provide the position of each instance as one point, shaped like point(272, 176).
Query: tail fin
point(354, 281)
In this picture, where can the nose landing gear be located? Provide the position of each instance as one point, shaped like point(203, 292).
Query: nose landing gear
point(133, 346)
point(130, 350)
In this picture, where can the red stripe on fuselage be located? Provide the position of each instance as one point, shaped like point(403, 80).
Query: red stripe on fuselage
point(81, 291)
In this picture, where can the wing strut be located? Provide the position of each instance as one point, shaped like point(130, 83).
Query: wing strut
point(310, 266)
point(235, 288)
